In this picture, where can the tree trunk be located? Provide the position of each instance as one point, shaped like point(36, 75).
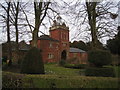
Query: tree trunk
point(94, 36)
point(91, 11)
point(39, 7)
point(16, 25)
point(17, 33)
point(8, 37)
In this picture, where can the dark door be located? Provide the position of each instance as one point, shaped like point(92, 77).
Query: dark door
point(63, 55)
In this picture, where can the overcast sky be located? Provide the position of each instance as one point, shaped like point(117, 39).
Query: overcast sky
point(46, 30)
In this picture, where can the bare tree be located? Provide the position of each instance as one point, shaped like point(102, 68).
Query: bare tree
point(40, 9)
point(12, 20)
point(7, 24)
point(15, 10)
point(8, 36)
point(7, 11)
point(91, 6)
point(92, 19)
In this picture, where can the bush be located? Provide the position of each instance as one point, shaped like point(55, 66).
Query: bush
point(75, 66)
point(12, 81)
point(105, 72)
point(81, 66)
point(55, 81)
point(69, 65)
point(4, 59)
point(99, 57)
point(32, 63)
point(62, 62)
point(115, 60)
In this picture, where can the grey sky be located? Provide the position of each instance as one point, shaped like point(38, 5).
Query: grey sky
point(73, 32)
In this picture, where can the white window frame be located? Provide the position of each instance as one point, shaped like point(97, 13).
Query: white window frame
point(50, 56)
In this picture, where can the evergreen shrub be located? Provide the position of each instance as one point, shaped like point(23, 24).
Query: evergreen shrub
point(103, 72)
point(32, 63)
point(99, 57)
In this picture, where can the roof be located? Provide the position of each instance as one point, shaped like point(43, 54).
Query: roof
point(76, 50)
point(46, 37)
point(22, 45)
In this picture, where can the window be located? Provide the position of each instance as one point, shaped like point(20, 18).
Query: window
point(64, 36)
point(75, 54)
point(61, 34)
point(50, 45)
point(50, 56)
point(64, 44)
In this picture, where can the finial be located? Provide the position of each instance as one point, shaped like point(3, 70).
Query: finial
point(59, 20)
point(54, 23)
point(63, 24)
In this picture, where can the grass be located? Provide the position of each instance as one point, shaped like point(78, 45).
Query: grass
point(58, 81)
point(54, 69)
point(58, 77)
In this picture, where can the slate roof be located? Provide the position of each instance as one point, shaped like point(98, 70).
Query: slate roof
point(46, 37)
point(76, 50)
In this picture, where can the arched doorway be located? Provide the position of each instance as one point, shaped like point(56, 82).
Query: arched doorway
point(63, 55)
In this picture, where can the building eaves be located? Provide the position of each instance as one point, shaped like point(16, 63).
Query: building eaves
point(76, 50)
point(46, 37)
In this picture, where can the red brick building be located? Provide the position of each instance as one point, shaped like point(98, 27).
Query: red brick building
point(55, 47)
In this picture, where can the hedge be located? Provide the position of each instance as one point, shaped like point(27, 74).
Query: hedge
point(14, 80)
point(32, 63)
point(76, 66)
point(104, 72)
point(99, 57)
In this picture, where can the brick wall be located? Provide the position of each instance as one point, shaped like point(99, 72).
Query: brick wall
point(78, 58)
point(63, 36)
point(50, 50)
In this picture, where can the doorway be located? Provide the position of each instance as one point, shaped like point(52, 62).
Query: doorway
point(63, 55)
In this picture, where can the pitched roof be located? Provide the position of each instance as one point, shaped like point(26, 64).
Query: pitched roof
point(75, 50)
point(46, 37)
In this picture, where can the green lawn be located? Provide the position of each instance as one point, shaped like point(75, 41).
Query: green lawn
point(55, 69)
point(58, 77)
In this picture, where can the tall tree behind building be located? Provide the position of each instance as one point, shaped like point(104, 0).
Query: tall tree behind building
point(92, 20)
point(40, 9)
point(8, 34)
